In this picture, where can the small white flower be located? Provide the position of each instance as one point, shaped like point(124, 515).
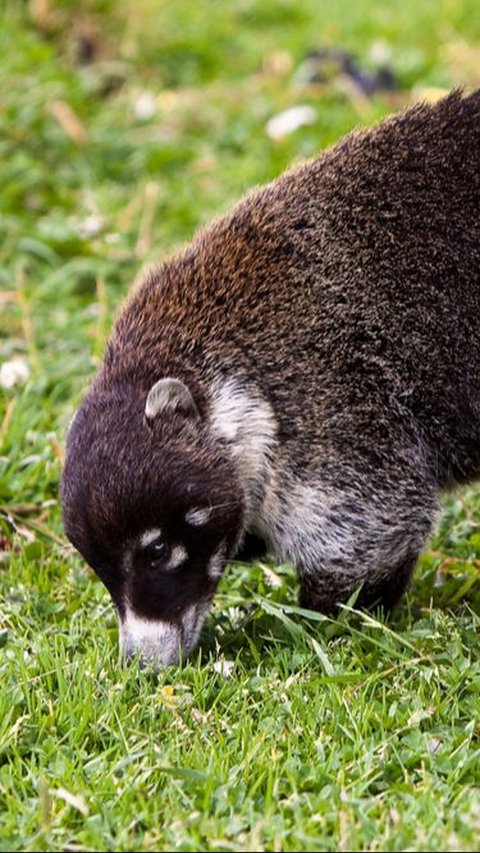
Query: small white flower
point(144, 106)
point(91, 226)
point(14, 372)
point(289, 120)
point(434, 745)
point(270, 576)
point(380, 52)
point(224, 667)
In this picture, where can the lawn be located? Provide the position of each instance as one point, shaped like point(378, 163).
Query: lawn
point(123, 127)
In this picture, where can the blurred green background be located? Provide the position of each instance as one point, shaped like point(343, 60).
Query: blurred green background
point(123, 127)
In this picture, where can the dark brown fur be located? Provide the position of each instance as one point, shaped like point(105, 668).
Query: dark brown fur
point(345, 295)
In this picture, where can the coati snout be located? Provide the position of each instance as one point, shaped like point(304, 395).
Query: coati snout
point(306, 372)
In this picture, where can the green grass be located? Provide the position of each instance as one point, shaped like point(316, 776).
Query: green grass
point(285, 731)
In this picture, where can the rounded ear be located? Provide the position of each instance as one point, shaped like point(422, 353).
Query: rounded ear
point(170, 395)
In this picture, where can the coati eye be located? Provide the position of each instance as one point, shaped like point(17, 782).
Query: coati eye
point(156, 550)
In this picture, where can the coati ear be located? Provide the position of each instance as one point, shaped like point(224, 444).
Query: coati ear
point(170, 395)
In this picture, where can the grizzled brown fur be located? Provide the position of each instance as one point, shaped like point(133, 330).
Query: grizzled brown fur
point(342, 302)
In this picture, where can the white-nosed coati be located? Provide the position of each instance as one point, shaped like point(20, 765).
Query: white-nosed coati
point(306, 371)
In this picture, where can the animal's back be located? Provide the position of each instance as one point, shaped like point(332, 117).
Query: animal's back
point(353, 276)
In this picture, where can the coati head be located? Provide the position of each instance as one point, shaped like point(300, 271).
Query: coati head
point(152, 503)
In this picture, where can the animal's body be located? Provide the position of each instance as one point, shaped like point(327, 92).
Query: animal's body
point(306, 371)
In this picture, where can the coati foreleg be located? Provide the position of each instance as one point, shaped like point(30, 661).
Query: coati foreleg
point(361, 529)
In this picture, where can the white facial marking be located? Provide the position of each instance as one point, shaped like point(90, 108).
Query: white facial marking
point(177, 557)
point(162, 642)
point(178, 554)
point(216, 564)
point(154, 639)
point(192, 621)
point(198, 516)
point(150, 536)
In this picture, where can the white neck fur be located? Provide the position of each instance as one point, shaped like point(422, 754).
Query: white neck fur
point(246, 423)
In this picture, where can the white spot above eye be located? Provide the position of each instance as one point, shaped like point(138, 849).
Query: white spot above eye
point(198, 516)
point(150, 536)
point(177, 557)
